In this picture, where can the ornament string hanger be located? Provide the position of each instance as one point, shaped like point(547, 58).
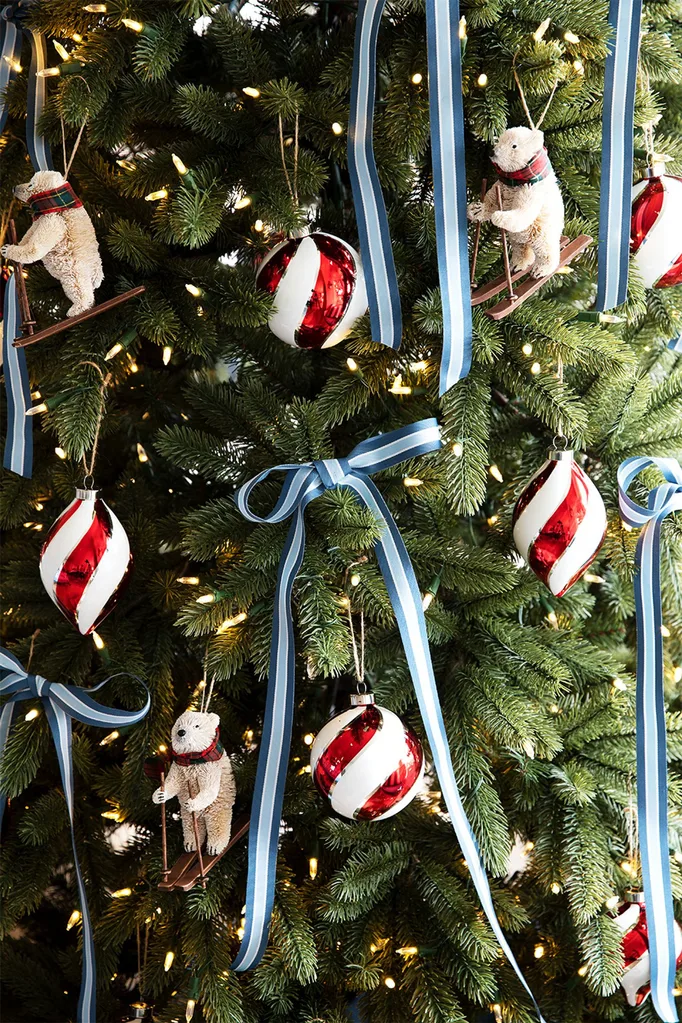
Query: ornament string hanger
point(291, 185)
point(358, 655)
point(89, 467)
point(206, 696)
point(633, 832)
point(533, 124)
point(68, 163)
point(560, 439)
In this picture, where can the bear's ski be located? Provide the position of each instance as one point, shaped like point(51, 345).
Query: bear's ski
point(186, 872)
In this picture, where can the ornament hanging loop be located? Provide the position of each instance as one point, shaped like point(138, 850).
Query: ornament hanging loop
point(106, 380)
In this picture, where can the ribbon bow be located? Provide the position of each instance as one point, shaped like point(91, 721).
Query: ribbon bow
point(61, 704)
point(303, 483)
point(19, 443)
point(449, 184)
point(652, 770)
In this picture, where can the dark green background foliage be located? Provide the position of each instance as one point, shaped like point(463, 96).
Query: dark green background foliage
point(519, 672)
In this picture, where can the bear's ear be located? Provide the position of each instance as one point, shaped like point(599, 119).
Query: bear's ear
point(213, 720)
point(538, 140)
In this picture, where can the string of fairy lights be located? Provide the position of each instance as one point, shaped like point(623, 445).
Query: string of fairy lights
point(69, 64)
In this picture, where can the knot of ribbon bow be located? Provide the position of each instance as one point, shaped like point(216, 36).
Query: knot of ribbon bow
point(652, 769)
point(302, 484)
point(62, 704)
point(18, 455)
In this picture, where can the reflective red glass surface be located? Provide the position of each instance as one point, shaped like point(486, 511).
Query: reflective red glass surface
point(645, 211)
point(345, 746)
point(331, 295)
point(398, 783)
point(560, 528)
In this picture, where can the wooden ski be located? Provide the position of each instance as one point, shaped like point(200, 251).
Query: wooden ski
point(179, 867)
point(498, 284)
point(186, 872)
point(533, 284)
point(73, 321)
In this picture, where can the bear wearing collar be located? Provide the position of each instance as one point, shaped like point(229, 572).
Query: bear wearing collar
point(202, 779)
point(532, 211)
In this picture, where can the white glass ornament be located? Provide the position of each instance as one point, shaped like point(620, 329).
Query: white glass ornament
point(366, 762)
point(559, 522)
point(85, 561)
point(319, 290)
point(656, 230)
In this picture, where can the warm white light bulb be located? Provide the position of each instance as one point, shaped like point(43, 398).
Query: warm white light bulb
point(134, 26)
point(337, 128)
point(251, 91)
point(193, 290)
point(168, 961)
point(495, 472)
point(60, 453)
point(312, 867)
point(61, 50)
point(73, 919)
point(482, 80)
point(179, 165)
point(160, 193)
point(417, 78)
point(167, 354)
point(97, 640)
point(32, 714)
point(352, 364)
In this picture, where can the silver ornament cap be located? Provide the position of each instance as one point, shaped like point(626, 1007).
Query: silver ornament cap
point(560, 454)
point(361, 699)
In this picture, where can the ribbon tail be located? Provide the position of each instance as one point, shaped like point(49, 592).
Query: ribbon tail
point(38, 146)
point(615, 210)
point(60, 726)
point(18, 455)
point(11, 51)
point(449, 186)
point(403, 590)
point(652, 773)
point(268, 796)
point(370, 208)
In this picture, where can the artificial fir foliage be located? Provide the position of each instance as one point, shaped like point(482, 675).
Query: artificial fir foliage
point(537, 692)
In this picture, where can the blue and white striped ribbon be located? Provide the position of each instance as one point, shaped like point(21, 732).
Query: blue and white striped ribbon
point(652, 772)
point(19, 440)
point(449, 178)
point(19, 443)
point(302, 484)
point(617, 153)
point(61, 704)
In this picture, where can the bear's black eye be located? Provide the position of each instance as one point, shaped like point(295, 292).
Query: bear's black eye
point(514, 145)
point(196, 726)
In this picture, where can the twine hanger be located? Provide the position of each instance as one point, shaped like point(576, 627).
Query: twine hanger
point(533, 124)
point(358, 655)
point(89, 469)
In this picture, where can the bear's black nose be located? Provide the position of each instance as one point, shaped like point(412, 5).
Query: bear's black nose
point(181, 731)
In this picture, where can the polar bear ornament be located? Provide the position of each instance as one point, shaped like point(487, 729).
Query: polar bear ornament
point(62, 236)
point(201, 777)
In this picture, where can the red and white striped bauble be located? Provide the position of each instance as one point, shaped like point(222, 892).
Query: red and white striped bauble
point(366, 762)
point(656, 230)
point(559, 522)
point(85, 561)
point(631, 920)
point(319, 290)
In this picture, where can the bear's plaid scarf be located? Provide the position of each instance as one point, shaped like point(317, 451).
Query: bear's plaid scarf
point(212, 752)
point(54, 200)
point(535, 170)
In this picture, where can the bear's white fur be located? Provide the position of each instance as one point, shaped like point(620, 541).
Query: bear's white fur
point(533, 214)
point(208, 790)
point(65, 241)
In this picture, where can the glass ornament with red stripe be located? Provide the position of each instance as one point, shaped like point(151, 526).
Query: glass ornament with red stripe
point(559, 522)
point(318, 287)
point(656, 228)
point(366, 762)
point(85, 562)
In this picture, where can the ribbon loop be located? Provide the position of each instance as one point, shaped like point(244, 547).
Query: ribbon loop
point(63, 703)
point(18, 454)
point(652, 767)
point(302, 485)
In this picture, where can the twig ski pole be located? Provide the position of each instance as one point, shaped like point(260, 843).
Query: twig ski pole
point(477, 236)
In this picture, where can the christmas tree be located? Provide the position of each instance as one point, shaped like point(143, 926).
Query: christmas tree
point(200, 136)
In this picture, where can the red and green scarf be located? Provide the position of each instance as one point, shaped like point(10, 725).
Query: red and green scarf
point(212, 752)
point(54, 200)
point(535, 170)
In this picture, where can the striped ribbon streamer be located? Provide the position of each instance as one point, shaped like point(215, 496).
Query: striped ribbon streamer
point(18, 454)
point(62, 704)
point(19, 441)
point(302, 484)
point(675, 345)
point(449, 181)
point(617, 153)
point(652, 771)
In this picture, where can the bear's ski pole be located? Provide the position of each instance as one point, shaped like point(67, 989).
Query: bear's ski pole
point(477, 236)
point(505, 253)
point(164, 845)
point(27, 324)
